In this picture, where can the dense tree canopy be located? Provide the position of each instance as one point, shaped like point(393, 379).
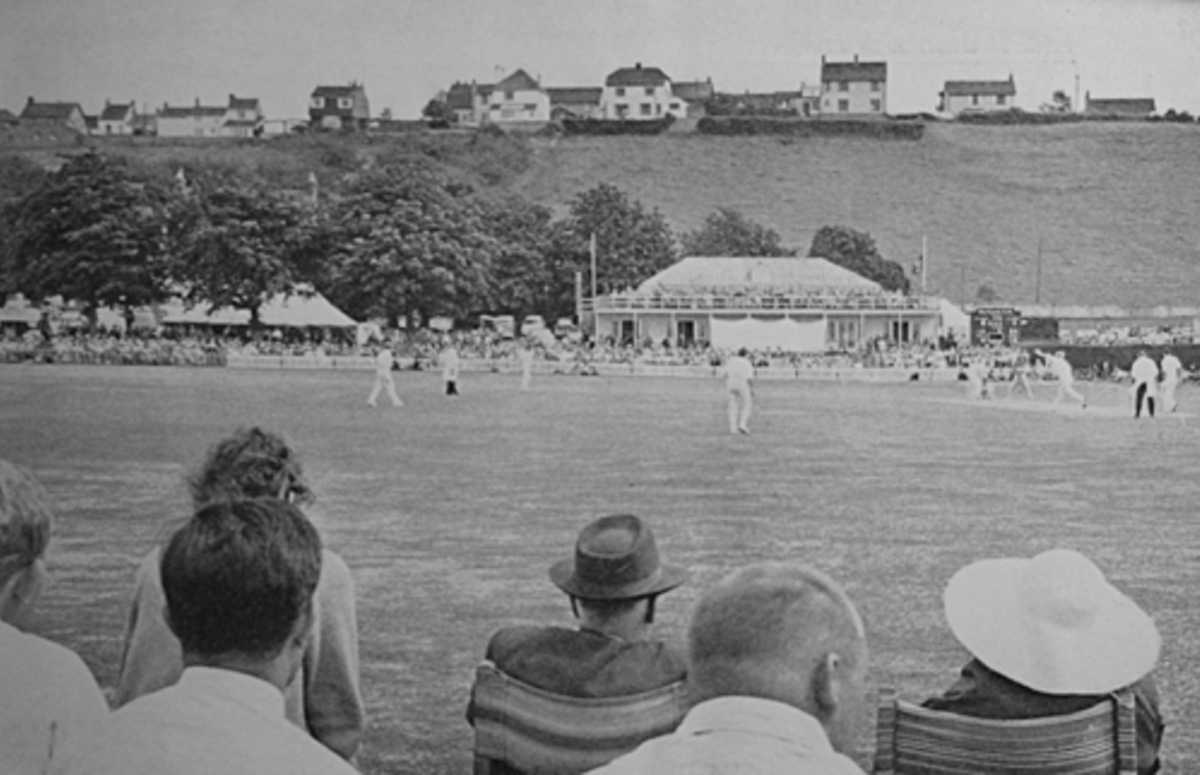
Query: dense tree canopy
point(856, 251)
point(632, 242)
point(728, 232)
point(524, 277)
point(94, 232)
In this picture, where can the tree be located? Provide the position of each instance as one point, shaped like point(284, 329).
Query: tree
point(633, 243)
point(437, 111)
point(409, 242)
point(856, 251)
point(239, 243)
point(1059, 103)
point(727, 232)
point(523, 273)
point(94, 232)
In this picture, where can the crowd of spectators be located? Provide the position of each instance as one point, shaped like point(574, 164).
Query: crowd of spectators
point(724, 297)
point(1105, 336)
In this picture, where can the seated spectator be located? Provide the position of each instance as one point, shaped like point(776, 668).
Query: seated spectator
point(50, 698)
point(778, 672)
point(238, 579)
point(1050, 636)
point(613, 582)
point(324, 697)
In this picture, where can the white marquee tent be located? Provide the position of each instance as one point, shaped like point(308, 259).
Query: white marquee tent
point(300, 310)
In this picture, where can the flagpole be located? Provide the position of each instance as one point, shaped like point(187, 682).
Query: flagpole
point(924, 261)
point(595, 317)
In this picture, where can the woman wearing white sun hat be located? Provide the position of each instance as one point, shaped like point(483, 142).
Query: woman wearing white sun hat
point(1050, 636)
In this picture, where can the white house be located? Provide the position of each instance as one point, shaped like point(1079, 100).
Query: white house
point(116, 118)
point(853, 88)
point(519, 97)
point(640, 94)
point(191, 121)
point(977, 96)
point(243, 117)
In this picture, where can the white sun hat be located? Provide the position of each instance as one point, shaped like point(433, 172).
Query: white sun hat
point(1052, 623)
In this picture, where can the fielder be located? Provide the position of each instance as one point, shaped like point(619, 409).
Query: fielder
point(525, 356)
point(1062, 371)
point(1020, 374)
point(739, 374)
point(383, 377)
point(1172, 375)
point(450, 363)
point(1145, 377)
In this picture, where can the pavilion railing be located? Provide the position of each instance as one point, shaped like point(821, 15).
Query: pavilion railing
point(783, 302)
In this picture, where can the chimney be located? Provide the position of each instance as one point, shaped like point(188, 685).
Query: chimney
point(29, 101)
point(856, 59)
point(637, 66)
point(822, 59)
point(197, 102)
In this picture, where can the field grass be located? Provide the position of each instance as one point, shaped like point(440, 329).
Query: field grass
point(1114, 204)
point(449, 511)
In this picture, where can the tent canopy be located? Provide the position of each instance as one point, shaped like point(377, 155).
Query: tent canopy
point(299, 310)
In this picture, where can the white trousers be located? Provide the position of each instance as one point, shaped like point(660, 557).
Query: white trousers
point(740, 404)
point(1168, 395)
point(384, 382)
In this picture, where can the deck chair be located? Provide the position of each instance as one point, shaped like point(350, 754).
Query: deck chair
point(911, 740)
point(521, 728)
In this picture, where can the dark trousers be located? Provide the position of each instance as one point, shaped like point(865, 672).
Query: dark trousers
point(452, 389)
point(1139, 398)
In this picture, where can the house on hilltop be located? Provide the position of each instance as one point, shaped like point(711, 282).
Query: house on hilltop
point(853, 88)
point(575, 102)
point(339, 107)
point(116, 118)
point(640, 94)
point(695, 95)
point(466, 100)
point(977, 96)
point(243, 117)
point(519, 97)
point(1137, 107)
point(68, 114)
point(190, 121)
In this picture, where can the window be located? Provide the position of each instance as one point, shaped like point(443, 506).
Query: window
point(875, 85)
point(620, 91)
point(496, 106)
point(658, 108)
point(843, 106)
point(531, 107)
point(675, 106)
point(876, 106)
point(622, 111)
point(508, 96)
point(345, 103)
point(974, 99)
point(843, 86)
point(644, 108)
point(829, 86)
point(317, 102)
point(649, 91)
point(1000, 98)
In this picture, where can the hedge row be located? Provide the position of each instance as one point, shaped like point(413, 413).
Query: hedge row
point(765, 125)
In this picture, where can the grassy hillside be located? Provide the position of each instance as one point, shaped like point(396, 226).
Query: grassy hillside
point(1117, 206)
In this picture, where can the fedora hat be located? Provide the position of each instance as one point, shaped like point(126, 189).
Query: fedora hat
point(615, 559)
point(1052, 623)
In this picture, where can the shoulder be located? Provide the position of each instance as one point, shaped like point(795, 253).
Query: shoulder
point(509, 641)
point(335, 581)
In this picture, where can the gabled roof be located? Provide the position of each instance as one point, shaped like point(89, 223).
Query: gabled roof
point(7, 116)
point(458, 97)
point(338, 91)
point(853, 71)
point(56, 111)
point(116, 111)
point(789, 273)
point(243, 103)
point(982, 88)
point(519, 81)
point(240, 122)
point(191, 111)
point(575, 95)
point(91, 122)
point(693, 91)
point(636, 76)
point(1128, 106)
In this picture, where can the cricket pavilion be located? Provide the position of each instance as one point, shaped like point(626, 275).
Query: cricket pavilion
point(790, 304)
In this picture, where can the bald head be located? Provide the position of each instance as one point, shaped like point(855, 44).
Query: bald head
point(785, 632)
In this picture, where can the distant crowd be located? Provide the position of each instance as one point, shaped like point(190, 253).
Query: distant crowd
point(241, 651)
point(737, 296)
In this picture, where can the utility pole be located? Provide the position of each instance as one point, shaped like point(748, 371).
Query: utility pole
point(595, 316)
point(1037, 286)
point(924, 263)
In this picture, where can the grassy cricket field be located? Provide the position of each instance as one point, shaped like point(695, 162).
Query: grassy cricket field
point(450, 510)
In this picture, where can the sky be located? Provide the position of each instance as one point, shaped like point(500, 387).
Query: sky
point(405, 51)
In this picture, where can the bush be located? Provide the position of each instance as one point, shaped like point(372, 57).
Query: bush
point(763, 125)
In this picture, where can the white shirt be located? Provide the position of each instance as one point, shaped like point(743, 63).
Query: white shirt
point(1172, 369)
point(1144, 369)
point(49, 699)
point(526, 359)
point(449, 358)
point(1060, 368)
point(383, 363)
point(212, 721)
point(738, 373)
point(744, 735)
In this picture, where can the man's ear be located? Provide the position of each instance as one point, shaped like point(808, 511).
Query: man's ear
point(302, 629)
point(827, 684)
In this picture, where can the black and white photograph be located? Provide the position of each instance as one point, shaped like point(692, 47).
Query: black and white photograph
point(620, 387)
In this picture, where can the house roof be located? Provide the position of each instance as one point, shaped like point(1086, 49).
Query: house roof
point(57, 111)
point(116, 111)
point(791, 273)
point(458, 97)
point(337, 91)
point(91, 122)
point(242, 122)
point(693, 91)
point(191, 111)
point(853, 71)
point(575, 95)
point(636, 76)
point(243, 103)
point(7, 116)
point(1006, 88)
point(519, 81)
point(1136, 105)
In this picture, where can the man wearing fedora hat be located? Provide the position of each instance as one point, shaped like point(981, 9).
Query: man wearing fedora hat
point(613, 581)
point(1050, 636)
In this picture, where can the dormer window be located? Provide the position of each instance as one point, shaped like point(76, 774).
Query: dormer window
point(317, 102)
point(345, 103)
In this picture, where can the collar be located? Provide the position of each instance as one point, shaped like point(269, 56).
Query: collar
point(757, 716)
point(241, 689)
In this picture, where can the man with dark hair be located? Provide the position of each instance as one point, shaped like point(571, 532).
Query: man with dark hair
point(238, 579)
point(613, 581)
point(778, 659)
point(324, 697)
